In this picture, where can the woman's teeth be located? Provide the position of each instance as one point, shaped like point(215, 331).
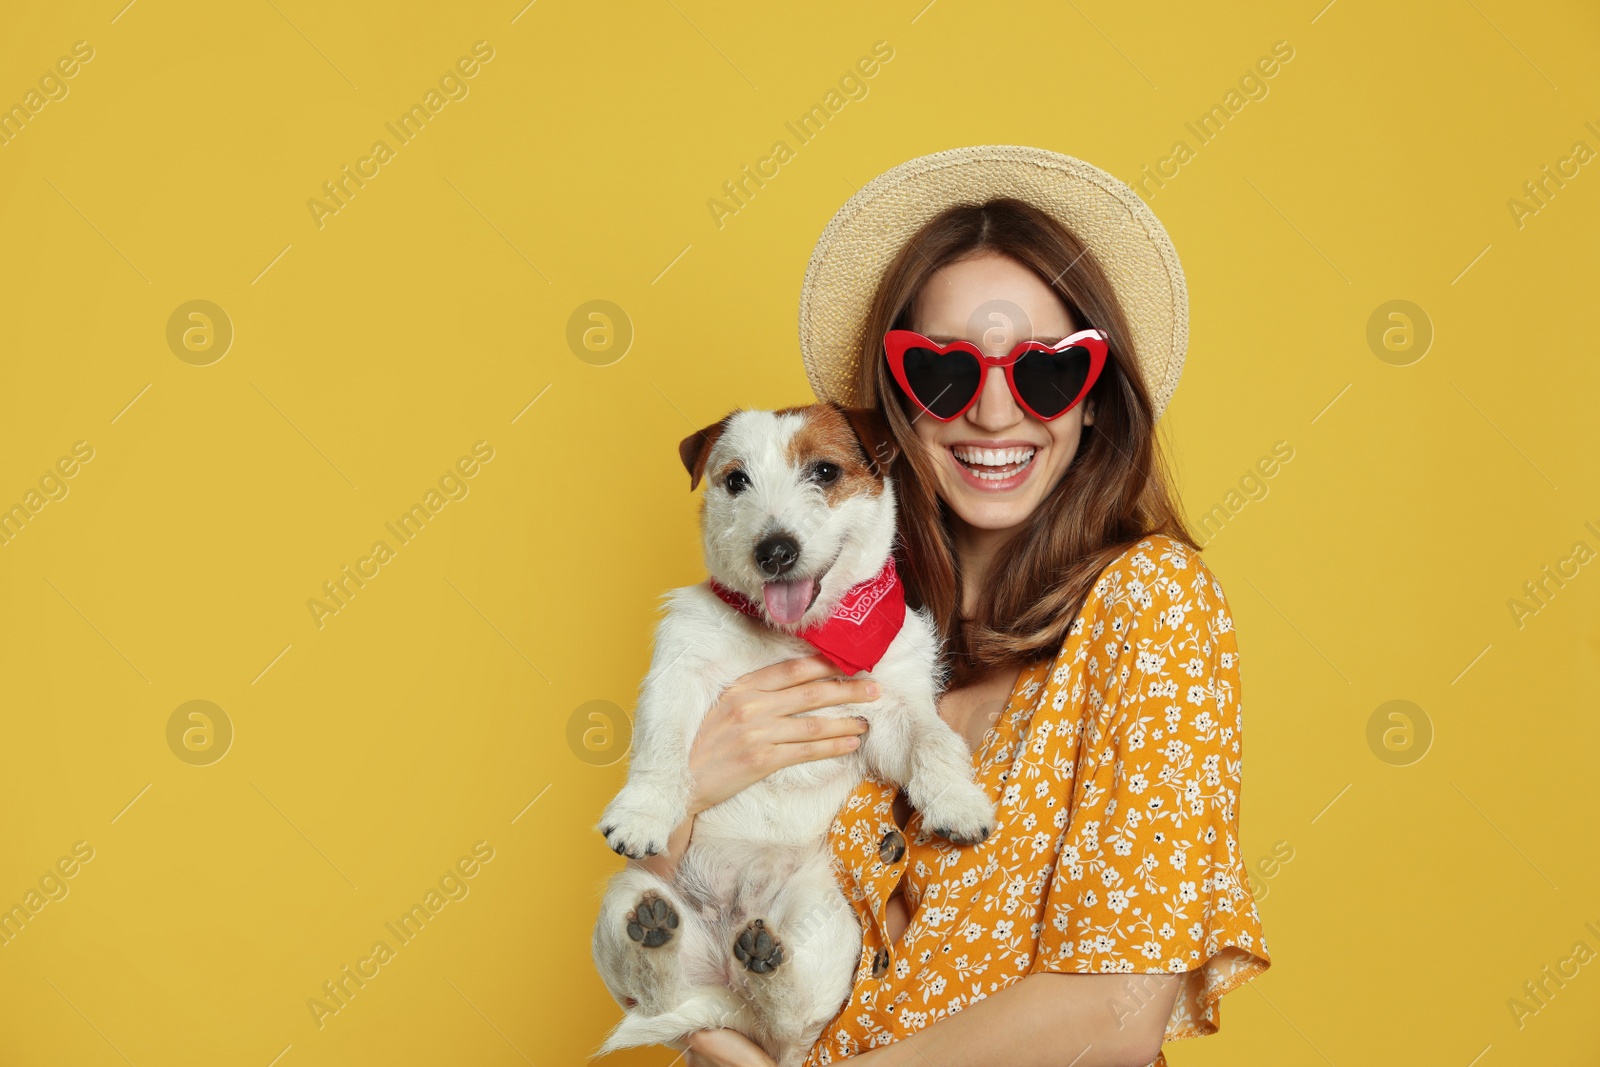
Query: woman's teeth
point(993, 464)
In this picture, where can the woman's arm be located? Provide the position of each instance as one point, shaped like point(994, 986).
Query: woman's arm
point(1045, 1020)
point(1048, 1020)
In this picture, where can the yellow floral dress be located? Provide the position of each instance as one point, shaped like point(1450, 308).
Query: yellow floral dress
point(1115, 769)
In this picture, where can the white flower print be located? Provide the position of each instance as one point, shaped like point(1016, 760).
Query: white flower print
point(1115, 767)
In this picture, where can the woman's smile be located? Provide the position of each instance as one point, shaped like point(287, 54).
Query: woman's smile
point(994, 466)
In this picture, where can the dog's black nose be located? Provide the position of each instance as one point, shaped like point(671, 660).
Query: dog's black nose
point(776, 555)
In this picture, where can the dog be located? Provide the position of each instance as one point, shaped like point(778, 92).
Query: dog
point(753, 932)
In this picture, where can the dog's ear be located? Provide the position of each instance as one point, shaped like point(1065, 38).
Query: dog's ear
point(695, 449)
point(872, 430)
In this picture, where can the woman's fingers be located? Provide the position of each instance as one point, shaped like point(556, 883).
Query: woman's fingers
point(830, 693)
point(806, 751)
point(801, 728)
point(724, 1048)
point(793, 686)
point(774, 698)
point(803, 738)
point(789, 673)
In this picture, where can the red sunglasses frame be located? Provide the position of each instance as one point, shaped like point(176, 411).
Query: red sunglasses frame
point(897, 342)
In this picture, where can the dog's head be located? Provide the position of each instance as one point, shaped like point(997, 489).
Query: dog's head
point(798, 505)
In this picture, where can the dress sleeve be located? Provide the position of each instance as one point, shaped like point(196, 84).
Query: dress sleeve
point(1150, 878)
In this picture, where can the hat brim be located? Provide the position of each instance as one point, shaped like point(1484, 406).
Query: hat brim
point(1121, 232)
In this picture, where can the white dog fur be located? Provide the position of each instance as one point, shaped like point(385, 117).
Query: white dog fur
point(762, 854)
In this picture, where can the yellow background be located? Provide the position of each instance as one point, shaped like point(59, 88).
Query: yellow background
point(433, 711)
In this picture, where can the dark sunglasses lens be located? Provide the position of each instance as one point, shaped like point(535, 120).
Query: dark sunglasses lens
point(1051, 381)
point(942, 383)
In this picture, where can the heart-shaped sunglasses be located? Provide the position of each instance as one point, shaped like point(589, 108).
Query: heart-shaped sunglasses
point(944, 380)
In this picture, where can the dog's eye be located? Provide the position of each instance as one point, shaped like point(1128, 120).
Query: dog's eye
point(825, 473)
point(736, 482)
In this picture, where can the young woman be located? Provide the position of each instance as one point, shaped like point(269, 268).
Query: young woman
point(1094, 668)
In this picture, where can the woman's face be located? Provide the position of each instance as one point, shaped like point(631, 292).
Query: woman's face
point(996, 462)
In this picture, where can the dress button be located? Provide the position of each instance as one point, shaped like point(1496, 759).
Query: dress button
point(880, 963)
point(892, 847)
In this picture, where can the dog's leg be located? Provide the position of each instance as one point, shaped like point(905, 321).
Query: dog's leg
point(919, 751)
point(940, 784)
point(672, 701)
point(663, 962)
point(793, 966)
point(639, 941)
point(911, 746)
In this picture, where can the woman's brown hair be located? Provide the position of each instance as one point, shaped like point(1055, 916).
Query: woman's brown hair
point(1116, 490)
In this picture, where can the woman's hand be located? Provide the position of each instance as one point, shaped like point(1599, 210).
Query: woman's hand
point(724, 1048)
point(755, 727)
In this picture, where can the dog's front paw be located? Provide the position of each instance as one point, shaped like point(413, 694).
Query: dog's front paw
point(638, 823)
point(961, 813)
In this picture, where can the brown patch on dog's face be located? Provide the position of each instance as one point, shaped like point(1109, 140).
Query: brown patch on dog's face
point(826, 444)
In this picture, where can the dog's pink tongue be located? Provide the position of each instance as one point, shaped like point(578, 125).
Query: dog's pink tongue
point(787, 601)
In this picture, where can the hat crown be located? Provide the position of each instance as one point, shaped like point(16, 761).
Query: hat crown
point(864, 236)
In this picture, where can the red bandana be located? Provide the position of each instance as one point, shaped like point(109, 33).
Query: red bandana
point(859, 631)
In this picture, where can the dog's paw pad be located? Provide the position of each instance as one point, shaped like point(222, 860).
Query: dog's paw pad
point(757, 949)
point(652, 922)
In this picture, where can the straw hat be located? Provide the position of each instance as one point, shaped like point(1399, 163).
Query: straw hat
point(1121, 232)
